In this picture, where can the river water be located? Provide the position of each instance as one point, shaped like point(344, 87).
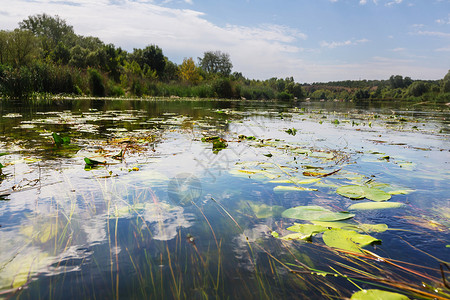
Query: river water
point(189, 199)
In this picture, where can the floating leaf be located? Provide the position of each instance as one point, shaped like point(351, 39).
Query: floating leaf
point(275, 234)
point(347, 240)
point(373, 227)
point(291, 131)
point(338, 225)
point(296, 181)
point(287, 188)
point(360, 192)
point(307, 229)
point(296, 236)
point(401, 192)
point(357, 227)
point(313, 173)
point(315, 213)
point(59, 140)
point(377, 295)
point(93, 162)
point(375, 205)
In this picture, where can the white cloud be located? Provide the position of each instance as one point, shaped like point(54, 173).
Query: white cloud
point(255, 51)
point(394, 2)
point(443, 49)
point(332, 45)
point(434, 33)
point(259, 52)
point(444, 21)
point(398, 49)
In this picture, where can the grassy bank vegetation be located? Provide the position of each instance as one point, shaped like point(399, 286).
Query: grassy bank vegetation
point(44, 56)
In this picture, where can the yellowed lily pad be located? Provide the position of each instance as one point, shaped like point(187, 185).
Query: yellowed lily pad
point(377, 295)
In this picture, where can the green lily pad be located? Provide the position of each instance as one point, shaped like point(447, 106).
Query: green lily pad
point(315, 213)
point(348, 240)
point(307, 229)
point(59, 140)
point(377, 295)
point(92, 162)
point(375, 205)
point(296, 236)
point(357, 227)
point(360, 192)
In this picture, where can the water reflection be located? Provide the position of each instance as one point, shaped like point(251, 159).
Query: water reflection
point(132, 216)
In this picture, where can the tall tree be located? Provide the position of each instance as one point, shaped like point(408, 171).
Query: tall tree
point(216, 62)
point(189, 72)
point(22, 47)
point(150, 57)
point(51, 31)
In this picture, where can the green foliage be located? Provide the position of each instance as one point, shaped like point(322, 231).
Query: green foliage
point(377, 295)
point(44, 55)
point(96, 83)
point(348, 240)
point(360, 192)
point(51, 31)
point(216, 62)
point(222, 88)
point(285, 96)
point(417, 89)
point(315, 213)
point(59, 140)
point(446, 83)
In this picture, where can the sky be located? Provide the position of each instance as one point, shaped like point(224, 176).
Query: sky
point(310, 40)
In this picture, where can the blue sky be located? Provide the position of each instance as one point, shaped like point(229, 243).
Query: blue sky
point(311, 40)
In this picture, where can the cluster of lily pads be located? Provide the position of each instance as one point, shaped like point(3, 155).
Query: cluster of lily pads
point(296, 169)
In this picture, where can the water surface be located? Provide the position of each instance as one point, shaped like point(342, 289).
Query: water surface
point(169, 214)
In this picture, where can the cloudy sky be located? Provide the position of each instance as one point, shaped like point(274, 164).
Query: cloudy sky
point(311, 40)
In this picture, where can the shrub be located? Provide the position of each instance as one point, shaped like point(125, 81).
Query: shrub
point(285, 96)
point(96, 83)
point(222, 87)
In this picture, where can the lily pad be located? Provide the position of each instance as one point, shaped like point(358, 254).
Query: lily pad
point(377, 295)
point(307, 229)
point(348, 240)
point(287, 188)
point(315, 213)
point(375, 205)
point(360, 192)
point(357, 227)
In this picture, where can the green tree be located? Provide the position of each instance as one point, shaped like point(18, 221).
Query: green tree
point(50, 30)
point(96, 83)
point(417, 89)
point(216, 62)
point(22, 47)
point(152, 57)
point(396, 81)
point(446, 83)
point(4, 35)
point(61, 54)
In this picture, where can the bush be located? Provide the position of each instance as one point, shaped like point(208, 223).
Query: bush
point(417, 89)
point(96, 83)
point(222, 87)
point(116, 91)
point(16, 83)
point(285, 96)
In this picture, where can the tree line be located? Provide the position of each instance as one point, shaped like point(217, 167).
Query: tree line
point(44, 56)
point(395, 88)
